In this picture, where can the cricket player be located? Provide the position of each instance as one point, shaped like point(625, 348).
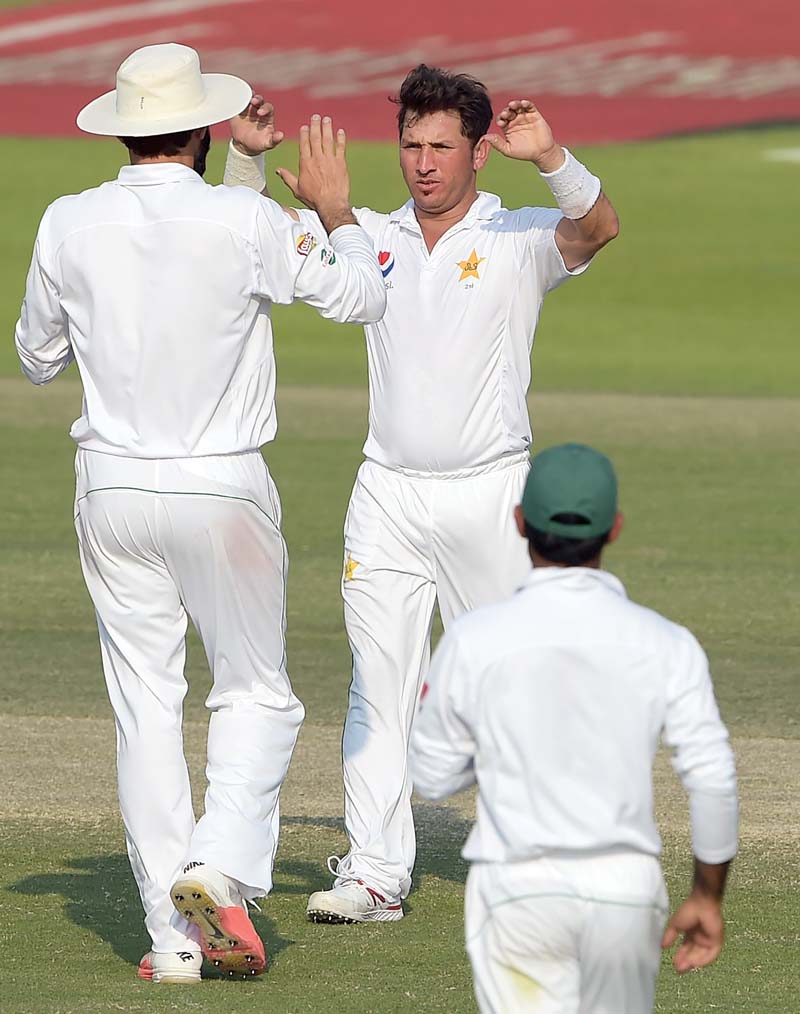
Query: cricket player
point(448, 447)
point(160, 287)
point(554, 702)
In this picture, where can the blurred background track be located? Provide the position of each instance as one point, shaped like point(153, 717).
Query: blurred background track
point(603, 72)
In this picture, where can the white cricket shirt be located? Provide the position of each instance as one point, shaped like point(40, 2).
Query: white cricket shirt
point(555, 702)
point(160, 287)
point(450, 361)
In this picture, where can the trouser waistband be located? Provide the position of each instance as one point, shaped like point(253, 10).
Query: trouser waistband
point(498, 465)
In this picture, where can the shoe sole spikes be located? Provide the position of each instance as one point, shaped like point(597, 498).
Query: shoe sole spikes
point(228, 938)
point(331, 918)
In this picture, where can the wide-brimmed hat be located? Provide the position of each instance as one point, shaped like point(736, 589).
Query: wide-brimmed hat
point(160, 90)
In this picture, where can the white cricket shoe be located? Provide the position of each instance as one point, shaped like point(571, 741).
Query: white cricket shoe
point(351, 901)
point(214, 903)
point(184, 966)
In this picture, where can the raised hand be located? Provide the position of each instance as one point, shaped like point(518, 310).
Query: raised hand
point(526, 135)
point(323, 181)
point(253, 130)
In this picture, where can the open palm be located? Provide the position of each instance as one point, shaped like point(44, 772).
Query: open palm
point(253, 130)
point(526, 134)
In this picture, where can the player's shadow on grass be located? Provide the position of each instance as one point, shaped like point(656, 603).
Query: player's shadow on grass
point(441, 833)
point(100, 895)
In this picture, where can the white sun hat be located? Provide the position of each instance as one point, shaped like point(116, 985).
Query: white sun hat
point(160, 90)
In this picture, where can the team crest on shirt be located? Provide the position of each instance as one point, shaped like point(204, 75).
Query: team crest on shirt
point(469, 267)
point(350, 568)
point(306, 243)
point(386, 261)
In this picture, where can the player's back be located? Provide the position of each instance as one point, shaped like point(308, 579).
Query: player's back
point(567, 696)
point(162, 287)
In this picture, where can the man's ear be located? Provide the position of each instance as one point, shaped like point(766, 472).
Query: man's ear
point(520, 519)
point(616, 528)
point(480, 154)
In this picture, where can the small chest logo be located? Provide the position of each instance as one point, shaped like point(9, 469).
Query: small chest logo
point(386, 261)
point(305, 244)
point(469, 267)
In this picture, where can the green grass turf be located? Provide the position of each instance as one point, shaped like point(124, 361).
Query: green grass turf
point(707, 539)
point(695, 297)
point(695, 547)
point(70, 889)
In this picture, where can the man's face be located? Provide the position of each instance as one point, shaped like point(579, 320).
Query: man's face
point(438, 162)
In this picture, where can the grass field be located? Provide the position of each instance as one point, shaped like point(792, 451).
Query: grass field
point(677, 354)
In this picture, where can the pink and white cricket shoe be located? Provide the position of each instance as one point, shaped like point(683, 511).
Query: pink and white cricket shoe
point(182, 967)
point(214, 903)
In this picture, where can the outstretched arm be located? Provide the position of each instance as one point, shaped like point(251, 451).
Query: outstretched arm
point(590, 220)
point(337, 273)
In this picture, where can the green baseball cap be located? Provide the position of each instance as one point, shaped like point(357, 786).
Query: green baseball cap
point(571, 479)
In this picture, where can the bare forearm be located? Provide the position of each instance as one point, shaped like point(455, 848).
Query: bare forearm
point(596, 229)
point(335, 216)
point(709, 879)
point(550, 159)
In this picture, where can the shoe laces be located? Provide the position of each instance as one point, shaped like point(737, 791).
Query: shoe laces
point(349, 882)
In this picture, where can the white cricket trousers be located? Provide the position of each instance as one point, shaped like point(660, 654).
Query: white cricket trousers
point(566, 935)
point(409, 539)
point(161, 542)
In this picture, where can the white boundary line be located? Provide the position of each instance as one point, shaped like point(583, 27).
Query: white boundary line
point(782, 155)
point(47, 28)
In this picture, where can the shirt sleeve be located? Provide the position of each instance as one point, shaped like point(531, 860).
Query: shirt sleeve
point(337, 274)
point(442, 752)
point(311, 222)
point(701, 754)
point(40, 336)
point(537, 232)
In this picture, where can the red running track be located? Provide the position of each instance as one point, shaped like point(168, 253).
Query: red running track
point(599, 72)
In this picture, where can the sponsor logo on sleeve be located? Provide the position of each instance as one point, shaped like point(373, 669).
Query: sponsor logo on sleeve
point(306, 243)
point(386, 261)
point(327, 256)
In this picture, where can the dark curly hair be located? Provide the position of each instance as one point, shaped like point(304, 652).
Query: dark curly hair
point(432, 90)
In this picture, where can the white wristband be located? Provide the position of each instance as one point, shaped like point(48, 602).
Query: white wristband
point(575, 189)
point(244, 170)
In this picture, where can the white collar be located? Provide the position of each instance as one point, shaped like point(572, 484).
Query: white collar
point(577, 576)
point(149, 173)
point(483, 208)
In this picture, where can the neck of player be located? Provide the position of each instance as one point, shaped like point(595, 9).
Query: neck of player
point(435, 223)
